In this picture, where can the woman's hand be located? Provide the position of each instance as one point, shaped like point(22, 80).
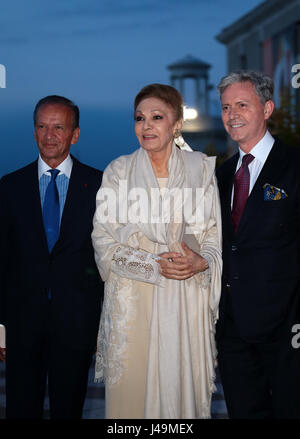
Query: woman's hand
point(166, 263)
point(176, 266)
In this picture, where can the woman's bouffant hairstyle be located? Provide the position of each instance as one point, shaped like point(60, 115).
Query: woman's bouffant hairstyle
point(166, 93)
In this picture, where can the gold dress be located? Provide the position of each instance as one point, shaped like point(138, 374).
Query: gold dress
point(126, 398)
point(156, 345)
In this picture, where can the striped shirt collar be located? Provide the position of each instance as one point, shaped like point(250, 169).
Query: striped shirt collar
point(64, 167)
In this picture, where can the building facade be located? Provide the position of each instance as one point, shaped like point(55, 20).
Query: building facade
point(267, 39)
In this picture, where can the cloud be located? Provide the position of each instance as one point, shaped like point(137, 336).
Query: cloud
point(14, 40)
point(104, 9)
point(47, 23)
point(81, 19)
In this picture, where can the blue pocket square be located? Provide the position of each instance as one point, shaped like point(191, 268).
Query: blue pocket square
point(273, 193)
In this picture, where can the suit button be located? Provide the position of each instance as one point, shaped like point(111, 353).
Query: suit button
point(233, 248)
point(228, 285)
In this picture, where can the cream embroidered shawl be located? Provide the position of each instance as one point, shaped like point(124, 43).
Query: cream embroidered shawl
point(182, 350)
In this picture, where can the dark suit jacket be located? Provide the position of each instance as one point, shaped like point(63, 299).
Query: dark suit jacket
point(262, 261)
point(28, 271)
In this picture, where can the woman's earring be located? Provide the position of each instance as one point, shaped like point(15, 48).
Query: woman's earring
point(178, 139)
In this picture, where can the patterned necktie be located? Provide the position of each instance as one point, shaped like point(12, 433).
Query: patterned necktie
point(241, 190)
point(51, 210)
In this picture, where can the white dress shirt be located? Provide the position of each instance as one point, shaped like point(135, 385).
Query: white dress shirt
point(65, 167)
point(260, 152)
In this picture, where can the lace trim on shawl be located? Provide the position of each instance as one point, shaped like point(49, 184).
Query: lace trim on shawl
point(119, 309)
point(205, 276)
point(129, 261)
point(118, 312)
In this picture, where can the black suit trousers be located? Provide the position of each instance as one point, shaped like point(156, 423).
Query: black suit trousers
point(45, 359)
point(260, 380)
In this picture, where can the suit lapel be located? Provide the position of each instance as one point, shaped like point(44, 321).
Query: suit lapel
point(226, 194)
point(269, 174)
point(33, 202)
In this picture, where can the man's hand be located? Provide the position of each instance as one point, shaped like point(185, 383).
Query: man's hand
point(2, 354)
point(180, 267)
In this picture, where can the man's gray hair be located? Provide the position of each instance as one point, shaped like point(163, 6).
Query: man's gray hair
point(263, 84)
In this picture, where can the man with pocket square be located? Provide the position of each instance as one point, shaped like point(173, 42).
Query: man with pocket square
point(50, 290)
point(260, 198)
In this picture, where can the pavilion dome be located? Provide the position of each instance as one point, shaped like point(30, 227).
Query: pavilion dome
point(189, 63)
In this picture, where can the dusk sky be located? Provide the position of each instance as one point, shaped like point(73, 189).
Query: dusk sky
point(99, 54)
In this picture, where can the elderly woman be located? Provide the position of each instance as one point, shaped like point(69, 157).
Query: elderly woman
point(157, 245)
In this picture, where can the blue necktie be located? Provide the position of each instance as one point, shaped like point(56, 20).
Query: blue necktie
point(51, 210)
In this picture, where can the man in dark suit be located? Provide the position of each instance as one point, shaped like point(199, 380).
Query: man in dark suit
point(259, 307)
point(50, 288)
